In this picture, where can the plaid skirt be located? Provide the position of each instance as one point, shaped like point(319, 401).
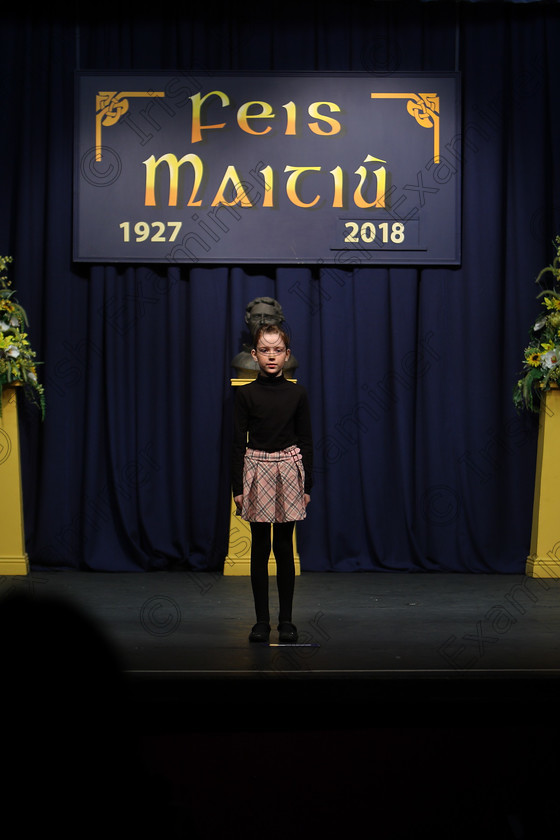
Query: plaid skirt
point(273, 486)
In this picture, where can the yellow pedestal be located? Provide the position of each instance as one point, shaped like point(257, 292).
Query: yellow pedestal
point(13, 559)
point(544, 560)
point(238, 560)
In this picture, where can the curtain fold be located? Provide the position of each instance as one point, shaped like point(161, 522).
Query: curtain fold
point(421, 463)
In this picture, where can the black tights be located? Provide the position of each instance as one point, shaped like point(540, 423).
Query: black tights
point(283, 548)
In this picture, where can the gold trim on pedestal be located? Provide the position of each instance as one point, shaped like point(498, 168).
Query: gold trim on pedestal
point(544, 560)
point(13, 559)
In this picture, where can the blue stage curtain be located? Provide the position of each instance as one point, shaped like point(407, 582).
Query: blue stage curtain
point(421, 463)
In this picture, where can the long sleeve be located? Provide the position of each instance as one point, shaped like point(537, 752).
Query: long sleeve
point(239, 445)
point(305, 439)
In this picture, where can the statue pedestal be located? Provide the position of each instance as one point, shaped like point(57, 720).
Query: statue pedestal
point(544, 560)
point(13, 559)
point(238, 560)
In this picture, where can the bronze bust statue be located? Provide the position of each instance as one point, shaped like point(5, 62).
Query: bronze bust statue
point(261, 310)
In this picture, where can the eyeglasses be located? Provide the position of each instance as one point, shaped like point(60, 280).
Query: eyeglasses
point(271, 351)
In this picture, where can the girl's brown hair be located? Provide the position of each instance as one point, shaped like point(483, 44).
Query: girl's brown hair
point(271, 328)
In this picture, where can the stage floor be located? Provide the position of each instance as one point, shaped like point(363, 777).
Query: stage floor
point(414, 704)
point(363, 635)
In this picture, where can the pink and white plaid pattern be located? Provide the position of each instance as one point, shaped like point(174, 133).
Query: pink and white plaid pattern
point(273, 486)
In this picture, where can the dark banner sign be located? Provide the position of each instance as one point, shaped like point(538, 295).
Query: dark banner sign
point(287, 169)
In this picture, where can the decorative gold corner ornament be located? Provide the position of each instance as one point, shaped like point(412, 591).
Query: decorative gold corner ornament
point(110, 106)
point(424, 107)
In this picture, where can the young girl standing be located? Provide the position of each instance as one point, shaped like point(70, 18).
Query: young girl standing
point(272, 474)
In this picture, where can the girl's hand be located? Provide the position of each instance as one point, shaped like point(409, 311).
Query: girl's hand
point(238, 502)
point(306, 499)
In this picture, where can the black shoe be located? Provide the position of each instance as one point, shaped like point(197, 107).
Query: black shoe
point(260, 632)
point(287, 632)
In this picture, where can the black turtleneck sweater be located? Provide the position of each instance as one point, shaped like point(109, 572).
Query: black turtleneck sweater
point(274, 413)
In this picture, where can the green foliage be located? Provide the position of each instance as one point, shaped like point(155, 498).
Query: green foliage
point(541, 364)
point(17, 358)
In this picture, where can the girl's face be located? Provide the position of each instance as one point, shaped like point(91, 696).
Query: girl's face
point(271, 354)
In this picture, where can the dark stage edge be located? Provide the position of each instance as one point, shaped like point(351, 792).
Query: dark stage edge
point(210, 737)
point(388, 638)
